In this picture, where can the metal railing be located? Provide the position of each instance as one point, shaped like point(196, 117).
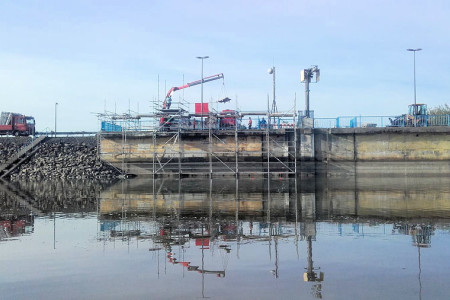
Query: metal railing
point(174, 123)
point(382, 121)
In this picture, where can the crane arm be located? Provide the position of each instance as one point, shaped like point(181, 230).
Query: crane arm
point(168, 100)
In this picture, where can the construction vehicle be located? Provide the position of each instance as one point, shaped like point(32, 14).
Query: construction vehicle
point(417, 116)
point(16, 124)
point(228, 118)
point(168, 100)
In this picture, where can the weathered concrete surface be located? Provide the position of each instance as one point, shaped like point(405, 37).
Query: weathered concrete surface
point(383, 144)
point(329, 150)
point(138, 147)
point(358, 144)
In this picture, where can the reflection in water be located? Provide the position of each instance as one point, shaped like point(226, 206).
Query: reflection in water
point(199, 225)
point(21, 202)
point(202, 210)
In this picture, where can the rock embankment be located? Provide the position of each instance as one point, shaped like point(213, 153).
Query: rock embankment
point(10, 146)
point(71, 158)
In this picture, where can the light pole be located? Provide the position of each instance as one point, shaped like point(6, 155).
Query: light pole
point(274, 103)
point(56, 106)
point(201, 109)
point(415, 103)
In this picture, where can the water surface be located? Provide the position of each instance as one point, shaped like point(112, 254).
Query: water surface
point(252, 238)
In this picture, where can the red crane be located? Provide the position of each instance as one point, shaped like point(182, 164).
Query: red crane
point(168, 100)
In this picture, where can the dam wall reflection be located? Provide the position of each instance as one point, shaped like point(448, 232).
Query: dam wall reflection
point(318, 198)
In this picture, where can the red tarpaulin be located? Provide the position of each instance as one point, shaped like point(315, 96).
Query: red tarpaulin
point(198, 108)
point(202, 242)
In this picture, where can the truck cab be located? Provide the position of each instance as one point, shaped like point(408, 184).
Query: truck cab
point(16, 124)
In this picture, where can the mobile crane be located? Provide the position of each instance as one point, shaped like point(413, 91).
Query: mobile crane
point(168, 100)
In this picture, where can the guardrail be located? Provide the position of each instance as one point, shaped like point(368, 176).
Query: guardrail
point(382, 121)
point(261, 123)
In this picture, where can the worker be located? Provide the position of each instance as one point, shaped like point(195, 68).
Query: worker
point(263, 123)
point(167, 102)
point(249, 123)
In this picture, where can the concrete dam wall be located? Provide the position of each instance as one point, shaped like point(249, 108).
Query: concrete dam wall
point(341, 150)
point(383, 144)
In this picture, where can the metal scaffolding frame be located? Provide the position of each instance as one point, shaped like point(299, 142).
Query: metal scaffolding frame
point(219, 154)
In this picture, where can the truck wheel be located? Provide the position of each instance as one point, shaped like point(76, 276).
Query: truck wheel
point(16, 133)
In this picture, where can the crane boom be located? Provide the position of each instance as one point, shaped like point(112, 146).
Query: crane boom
point(168, 100)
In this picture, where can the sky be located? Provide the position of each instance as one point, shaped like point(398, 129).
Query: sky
point(92, 57)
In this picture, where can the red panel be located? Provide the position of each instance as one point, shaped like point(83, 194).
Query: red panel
point(202, 242)
point(198, 108)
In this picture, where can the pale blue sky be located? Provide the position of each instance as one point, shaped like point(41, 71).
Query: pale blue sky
point(88, 54)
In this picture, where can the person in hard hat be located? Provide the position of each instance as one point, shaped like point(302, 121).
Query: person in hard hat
point(249, 123)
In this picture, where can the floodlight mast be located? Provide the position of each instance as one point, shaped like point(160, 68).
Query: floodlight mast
point(305, 76)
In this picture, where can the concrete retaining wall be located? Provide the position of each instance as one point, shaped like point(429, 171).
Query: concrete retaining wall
point(336, 150)
point(383, 144)
point(138, 147)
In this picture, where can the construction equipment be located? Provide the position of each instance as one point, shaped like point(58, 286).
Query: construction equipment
point(16, 124)
point(228, 118)
point(168, 100)
point(417, 116)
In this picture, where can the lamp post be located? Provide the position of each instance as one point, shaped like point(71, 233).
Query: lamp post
point(56, 106)
point(274, 103)
point(201, 109)
point(415, 103)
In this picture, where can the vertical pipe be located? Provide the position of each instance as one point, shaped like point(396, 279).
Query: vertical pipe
point(201, 109)
point(180, 150)
point(307, 79)
point(267, 138)
point(295, 134)
point(415, 107)
point(210, 146)
point(274, 105)
point(56, 110)
point(236, 141)
point(154, 153)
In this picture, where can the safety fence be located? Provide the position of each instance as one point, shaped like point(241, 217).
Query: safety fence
point(382, 121)
point(273, 123)
point(184, 123)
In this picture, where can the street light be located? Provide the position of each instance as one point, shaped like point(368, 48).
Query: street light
point(415, 104)
point(56, 106)
point(202, 58)
point(274, 103)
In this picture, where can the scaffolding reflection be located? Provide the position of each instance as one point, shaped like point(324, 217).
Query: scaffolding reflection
point(199, 225)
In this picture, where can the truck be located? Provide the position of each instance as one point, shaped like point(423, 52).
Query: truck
point(16, 124)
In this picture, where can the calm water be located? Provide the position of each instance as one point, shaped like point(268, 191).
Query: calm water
point(329, 238)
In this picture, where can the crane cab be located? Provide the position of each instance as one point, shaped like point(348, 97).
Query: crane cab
point(417, 109)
